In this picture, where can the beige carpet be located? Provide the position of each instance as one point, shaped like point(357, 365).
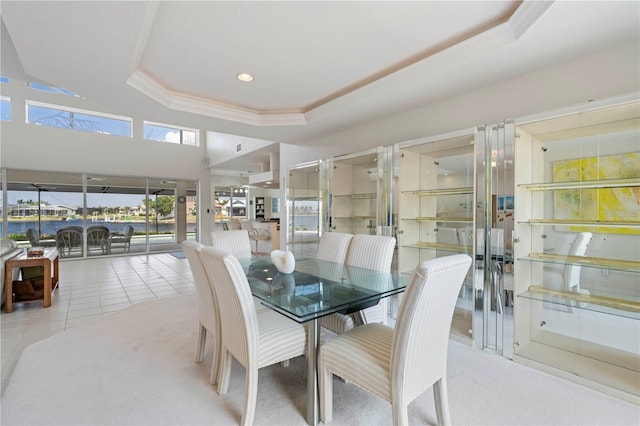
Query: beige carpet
point(136, 367)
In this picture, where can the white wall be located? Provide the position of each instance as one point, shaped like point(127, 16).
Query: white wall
point(43, 148)
point(34, 147)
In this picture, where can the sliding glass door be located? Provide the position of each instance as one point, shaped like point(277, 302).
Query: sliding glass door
point(111, 214)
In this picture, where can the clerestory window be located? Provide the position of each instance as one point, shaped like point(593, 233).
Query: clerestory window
point(173, 134)
point(42, 114)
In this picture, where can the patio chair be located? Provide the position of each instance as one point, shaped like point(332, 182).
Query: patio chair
point(122, 238)
point(98, 237)
point(35, 240)
point(69, 239)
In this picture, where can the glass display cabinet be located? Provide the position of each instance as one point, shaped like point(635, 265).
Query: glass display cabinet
point(355, 186)
point(436, 181)
point(577, 246)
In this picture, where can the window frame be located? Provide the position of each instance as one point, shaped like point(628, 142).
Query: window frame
point(172, 127)
point(65, 108)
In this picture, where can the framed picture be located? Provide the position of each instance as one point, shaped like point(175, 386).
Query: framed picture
point(597, 204)
point(275, 205)
point(500, 203)
point(508, 202)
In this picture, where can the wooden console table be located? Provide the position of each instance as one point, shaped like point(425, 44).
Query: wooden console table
point(49, 259)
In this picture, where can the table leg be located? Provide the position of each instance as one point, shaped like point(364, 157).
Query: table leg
point(47, 283)
point(8, 289)
point(313, 344)
point(56, 276)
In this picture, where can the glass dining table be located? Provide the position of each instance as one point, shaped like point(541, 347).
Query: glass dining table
point(315, 289)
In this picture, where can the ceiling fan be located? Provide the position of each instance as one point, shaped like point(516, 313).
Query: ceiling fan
point(39, 187)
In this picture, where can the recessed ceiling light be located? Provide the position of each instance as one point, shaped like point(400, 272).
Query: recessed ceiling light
point(243, 76)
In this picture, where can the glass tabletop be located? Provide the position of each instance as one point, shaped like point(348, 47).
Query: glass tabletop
point(317, 288)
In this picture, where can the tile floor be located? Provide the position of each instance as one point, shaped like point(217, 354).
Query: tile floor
point(90, 289)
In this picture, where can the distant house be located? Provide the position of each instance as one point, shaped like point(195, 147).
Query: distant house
point(23, 210)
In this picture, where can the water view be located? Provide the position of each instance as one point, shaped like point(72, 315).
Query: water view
point(50, 227)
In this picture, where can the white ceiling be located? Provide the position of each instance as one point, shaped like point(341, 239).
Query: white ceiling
point(322, 68)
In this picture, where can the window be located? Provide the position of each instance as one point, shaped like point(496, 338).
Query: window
point(166, 133)
point(51, 89)
point(5, 108)
point(69, 118)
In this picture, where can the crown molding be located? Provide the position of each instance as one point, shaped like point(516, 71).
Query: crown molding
point(145, 84)
point(526, 15)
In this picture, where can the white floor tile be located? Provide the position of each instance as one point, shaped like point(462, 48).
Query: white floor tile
point(88, 290)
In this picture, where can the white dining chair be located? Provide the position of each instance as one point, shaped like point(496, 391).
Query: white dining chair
point(572, 272)
point(255, 339)
point(399, 364)
point(235, 241)
point(568, 277)
point(372, 252)
point(207, 307)
point(333, 247)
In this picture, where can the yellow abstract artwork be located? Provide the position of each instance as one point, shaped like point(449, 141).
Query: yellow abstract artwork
point(621, 204)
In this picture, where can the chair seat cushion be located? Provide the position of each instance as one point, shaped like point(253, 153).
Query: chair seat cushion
point(280, 338)
point(362, 355)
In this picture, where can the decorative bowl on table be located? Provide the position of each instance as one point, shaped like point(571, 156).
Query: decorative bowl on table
point(35, 252)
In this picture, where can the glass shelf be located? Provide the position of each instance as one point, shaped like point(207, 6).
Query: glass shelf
point(355, 217)
point(585, 184)
point(439, 246)
point(597, 223)
point(603, 304)
point(367, 196)
point(440, 219)
point(445, 191)
point(594, 262)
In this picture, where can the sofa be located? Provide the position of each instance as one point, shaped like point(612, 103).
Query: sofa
point(8, 250)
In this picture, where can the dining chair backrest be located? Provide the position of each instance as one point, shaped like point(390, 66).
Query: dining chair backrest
point(371, 252)
point(465, 236)
point(233, 225)
point(207, 302)
point(497, 241)
point(447, 236)
point(334, 246)
point(572, 272)
point(421, 334)
point(235, 242)
point(239, 324)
